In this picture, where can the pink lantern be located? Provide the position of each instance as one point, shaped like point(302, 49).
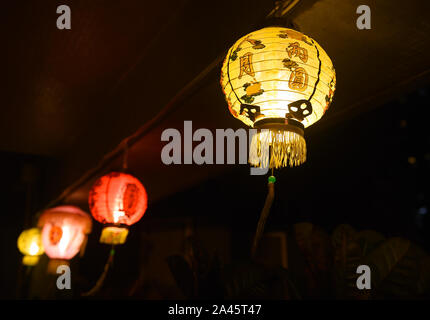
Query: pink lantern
point(64, 230)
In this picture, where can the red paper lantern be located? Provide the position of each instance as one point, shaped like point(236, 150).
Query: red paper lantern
point(64, 230)
point(117, 200)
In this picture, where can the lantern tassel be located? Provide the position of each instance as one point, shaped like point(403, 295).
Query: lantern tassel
point(278, 148)
point(264, 214)
point(102, 278)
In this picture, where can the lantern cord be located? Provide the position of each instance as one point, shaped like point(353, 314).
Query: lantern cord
point(102, 277)
point(319, 71)
point(264, 214)
point(228, 75)
point(125, 156)
point(282, 8)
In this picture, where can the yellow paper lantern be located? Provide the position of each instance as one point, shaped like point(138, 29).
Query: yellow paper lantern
point(30, 245)
point(278, 79)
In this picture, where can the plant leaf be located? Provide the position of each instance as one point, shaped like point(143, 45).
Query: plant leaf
point(314, 244)
point(248, 280)
point(399, 270)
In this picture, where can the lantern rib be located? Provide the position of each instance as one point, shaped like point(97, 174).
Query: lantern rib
point(280, 60)
point(283, 80)
point(319, 71)
point(228, 75)
point(284, 69)
point(278, 100)
point(276, 69)
point(107, 193)
point(274, 42)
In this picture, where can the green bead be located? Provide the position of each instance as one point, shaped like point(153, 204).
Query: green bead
point(112, 252)
point(272, 179)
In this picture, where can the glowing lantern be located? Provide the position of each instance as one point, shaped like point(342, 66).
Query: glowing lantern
point(30, 245)
point(117, 200)
point(64, 230)
point(280, 80)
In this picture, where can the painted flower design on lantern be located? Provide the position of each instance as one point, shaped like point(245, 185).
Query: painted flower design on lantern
point(329, 96)
point(290, 64)
point(252, 89)
point(283, 34)
point(305, 40)
point(256, 44)
point(293, 34)
point(55, 234)
point(233, 55)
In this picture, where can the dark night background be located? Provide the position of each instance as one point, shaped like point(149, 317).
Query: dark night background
point(65, 107)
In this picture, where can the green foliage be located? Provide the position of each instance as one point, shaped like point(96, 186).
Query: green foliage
point(399, 268)
point(248, 280)
point(320, 266)
point(314, 247)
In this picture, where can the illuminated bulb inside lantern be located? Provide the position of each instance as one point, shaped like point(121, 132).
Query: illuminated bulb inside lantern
point(34, 248)
point(119, 211)
point(116, 215)
point(65, 239)
point(30, 245)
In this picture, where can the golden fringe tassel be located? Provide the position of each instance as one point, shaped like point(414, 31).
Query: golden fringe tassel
point(284, 147)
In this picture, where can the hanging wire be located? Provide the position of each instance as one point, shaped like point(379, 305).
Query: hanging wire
point(282, 8)
point(264, 214)
point(125, 156)
point(102, 277)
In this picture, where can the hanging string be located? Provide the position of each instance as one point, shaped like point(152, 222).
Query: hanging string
point(264, 213)
point(282, 8)
point(125, 156)
point(102, 277)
